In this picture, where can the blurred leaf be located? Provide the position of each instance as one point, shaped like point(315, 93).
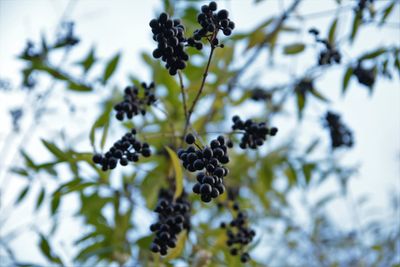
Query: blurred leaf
point(111, 67)
point(89, 60)
point(332, 32)
point(175, 252)
point(55, 203)
point(293, 48)
point(79, 87)
point(40, 198)
point(102, 121)
point(373, 54)
point(301, 102)
point(28, 160)
point(105, 133)
point(47, 251)
point(178, 172)
point(346, 79)
point(20, 171)
point(23, 194)
point(291, 174)
point(356, 24)
point(256, 38)
point(318, 95)
point(387, 11)
point(307, 171)
point(55, 150)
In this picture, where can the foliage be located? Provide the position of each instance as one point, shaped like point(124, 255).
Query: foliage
point(261, 181)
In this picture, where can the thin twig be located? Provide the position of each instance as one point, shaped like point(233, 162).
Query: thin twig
point(190, 112)
point(183, 94)
point(260, 47)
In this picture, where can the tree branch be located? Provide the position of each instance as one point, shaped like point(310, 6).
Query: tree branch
point(196, 99)
point(183, 95)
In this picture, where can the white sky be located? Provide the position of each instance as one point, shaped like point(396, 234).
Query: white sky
point(122, 25)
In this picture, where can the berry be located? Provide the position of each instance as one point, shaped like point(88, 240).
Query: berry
point(190, 139)
point(212, 6)
point(97, 158)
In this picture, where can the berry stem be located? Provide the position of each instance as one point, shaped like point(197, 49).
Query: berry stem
point(183, 94)
point(190, 112)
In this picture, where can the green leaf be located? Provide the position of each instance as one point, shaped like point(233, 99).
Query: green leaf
point(22, 195)
point(28, 160)
point(355, 26)
point(55, 150)
point(20, 171)
point(387, 12)
point(332, 32)
point(178, 172)
point(55, 203)
point(307, 171)
point(318, 95)
point(79, 87)
point(40, 198)
point(47, 251)
point(346, 79)
point(88, 62)
point(256, 38)
point(180, 245)
point(102, 121)
point(301, 102)
point(111, 67)
point(373, 54)
point(105, 133)
point(293, 48)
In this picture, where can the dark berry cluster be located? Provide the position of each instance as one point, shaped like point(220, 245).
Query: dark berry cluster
point(341, 135)
point(169, 34)
point(124, 150)
point(365, 76)
point(239, 234)
point(135, 103)
point(254, 133)
point(211, 22)
point(209, 162)
point(173, 217)
point(329, 54)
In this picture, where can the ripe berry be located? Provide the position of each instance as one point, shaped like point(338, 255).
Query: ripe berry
point(190, 139)
point(212, 6)
point(222, 14)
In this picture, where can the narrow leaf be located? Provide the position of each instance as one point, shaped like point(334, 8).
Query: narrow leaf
point(22, 195)
point(346, 79)
point(293, 49)
point(40, 198)
point(54, 150)
point(355, 26)
point(111, 67)
point(332, 32)
point(373, 54)
point(178, 172)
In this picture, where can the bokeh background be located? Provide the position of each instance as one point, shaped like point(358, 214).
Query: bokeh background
point(122, 25)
